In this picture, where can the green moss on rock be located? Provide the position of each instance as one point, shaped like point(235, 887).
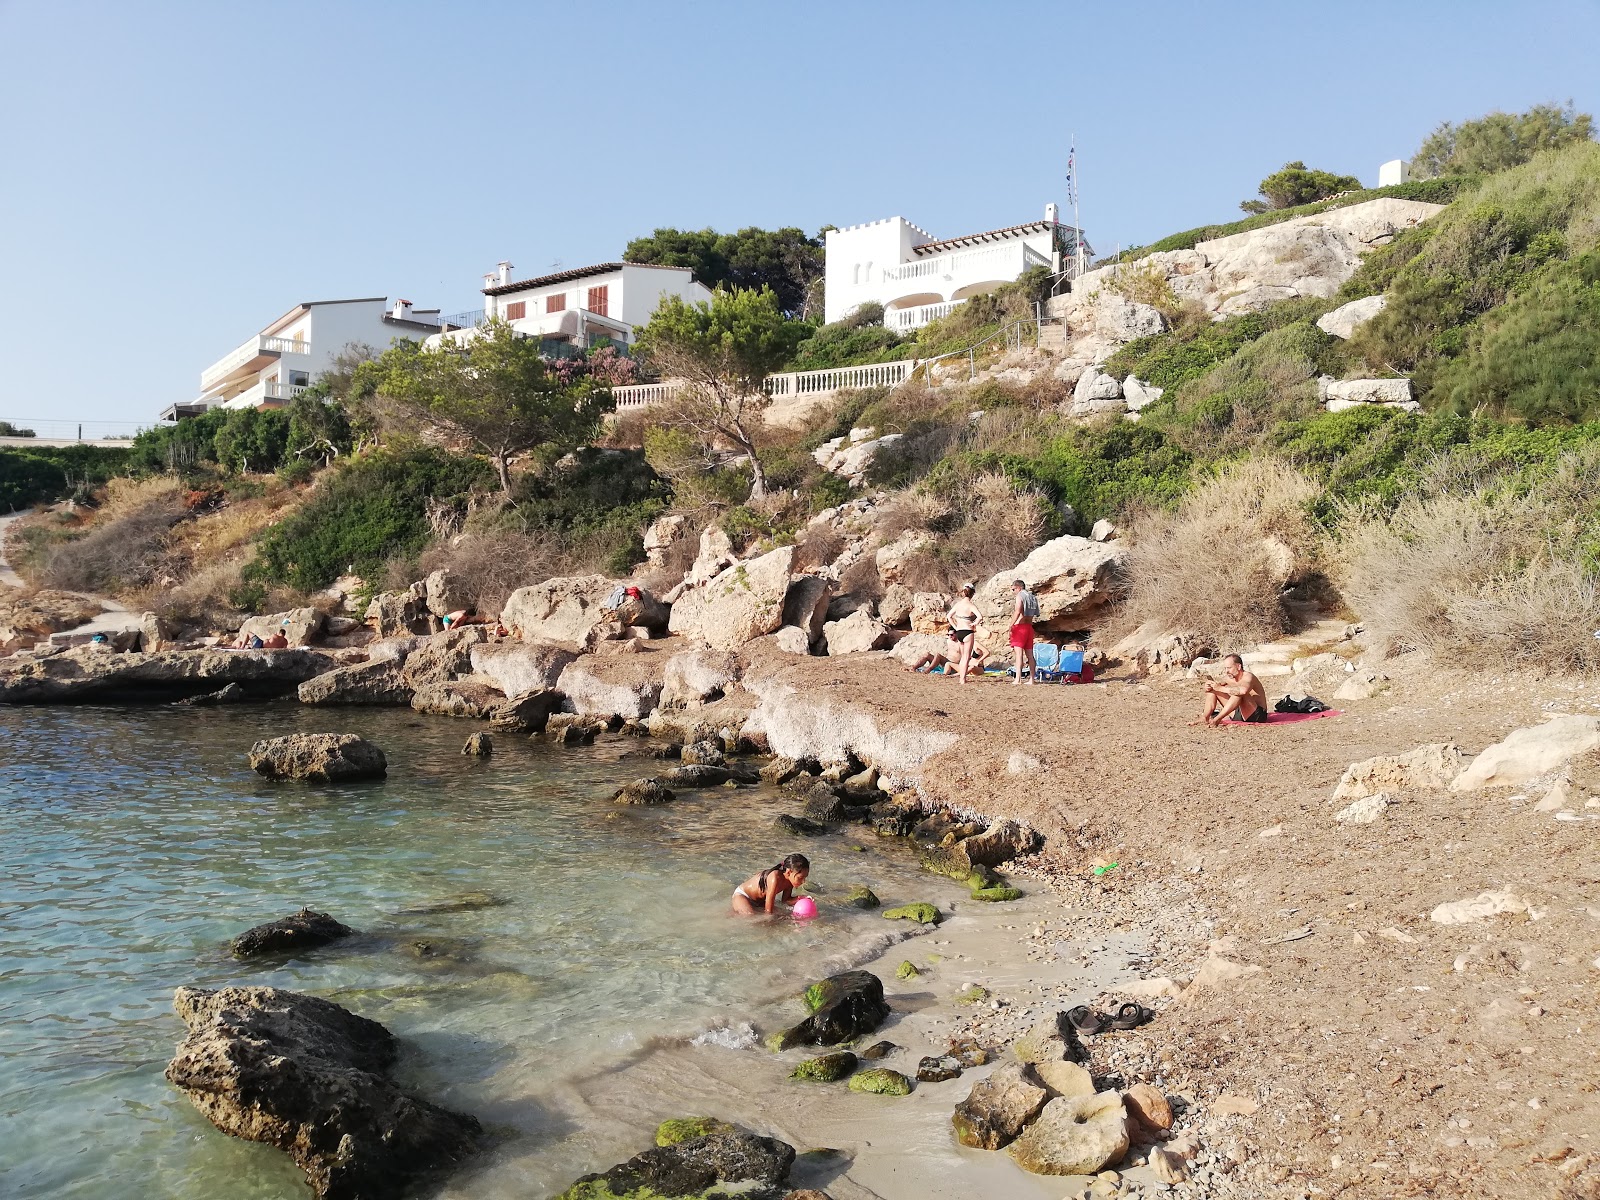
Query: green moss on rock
point(922, 913)
point(684, 1129)
point(862, 897)
point(995, 895)
point(907, 970)
point(826, 1068)
point(880, 1081)
point(814, 997)
point(972, 994)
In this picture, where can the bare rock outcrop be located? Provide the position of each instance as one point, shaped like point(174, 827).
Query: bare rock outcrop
point(1347, 318)
point(313, 1079)
point(299, 626)
point(318, 757)
point(697, 677)
point(88, 674)
point(520, 669)
point(1530, 752)
point(740, 604)
point(592, 691)
point(1071, 576)
point(565, 609)
point(856, 634)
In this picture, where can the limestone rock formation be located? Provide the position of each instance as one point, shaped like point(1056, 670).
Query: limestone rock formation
point(805, 604)
point(891, 557)
point(445, 593)
point(1526, 753)
point(566, 609)
point(1432, 766)
point(520, 670)
point(852, 457)
point(90, 674)
point(312, 1079)
point(318, 757)
point(1139, 396)
point(300, 626)
point(1348, 393)
point(856, 634)
point(696, 677)
point(373, 682)
point(1071, 576)
point(590, 693)
point(397, 614)
point(999, 1107)
point(740, 604)
point(1347, 318)
point(1074, 1136)
point(298, 931)
point(662, 534)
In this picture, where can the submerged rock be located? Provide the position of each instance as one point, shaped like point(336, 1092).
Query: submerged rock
point(907, 970)
point(997, 1108)
point(827, 1068)
point(799, 826)
point(643, 791)
point(844, 1006)
point(921, 913)
point(733, 1156)
point(880, 1081)
point(862, 897)
point(694, 776)
point(683, 1129)
point(465, 902)
point(937, 1069)
point(312, 1079)
point(479, 745)
point(231, 694)
point(298, 931)
point(879, 1050)
point(318, 757)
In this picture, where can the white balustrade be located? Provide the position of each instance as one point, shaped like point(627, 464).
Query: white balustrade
point(915, 318)
point(987, 262)
point(254, 348)
point(810, 383)
point(637, 395)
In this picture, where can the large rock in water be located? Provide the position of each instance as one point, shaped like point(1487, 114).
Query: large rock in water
point(377, 682)
point(741, 604)
point(319, 757)
point(1078, 1135)
point(749, 1163)
point(843, 1006)
point(1071, 576)
point(89, 674)
point(312, 1079)
point(302, 930)
point(997, 1108)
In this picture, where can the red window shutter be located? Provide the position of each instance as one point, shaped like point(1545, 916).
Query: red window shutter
point(515, 312)
point(598, 300)
point(556, 303)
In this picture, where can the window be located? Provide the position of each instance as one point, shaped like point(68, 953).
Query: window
point(555, 303)
point(299, 378)
point(598, 300)
point(515, 312)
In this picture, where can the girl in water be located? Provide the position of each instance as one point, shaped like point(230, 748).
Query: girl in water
point(761, 893)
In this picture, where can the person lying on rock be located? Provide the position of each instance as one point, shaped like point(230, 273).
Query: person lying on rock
point(463, 616)
point(1239, 696)
point(276, 642)
point(776, 885)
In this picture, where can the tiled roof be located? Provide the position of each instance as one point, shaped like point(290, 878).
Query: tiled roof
point(975, 239)
point(500, 289)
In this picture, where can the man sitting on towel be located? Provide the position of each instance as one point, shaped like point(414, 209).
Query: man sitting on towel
point(1238, 697)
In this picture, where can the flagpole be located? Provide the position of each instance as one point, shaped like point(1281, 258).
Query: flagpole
point(1077, 224)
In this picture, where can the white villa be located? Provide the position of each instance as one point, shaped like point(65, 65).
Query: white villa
point(277, 364)
point(576, 308)
point(919, 278)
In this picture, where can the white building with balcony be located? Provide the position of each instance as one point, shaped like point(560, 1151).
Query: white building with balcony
point(277, 364)
point(577, 308)
point(918, 278)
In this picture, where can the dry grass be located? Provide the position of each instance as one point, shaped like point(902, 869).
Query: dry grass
point(982, 523)
point(127, 547)
point(493, 563)
point(1218, 565)
point(1482, 568)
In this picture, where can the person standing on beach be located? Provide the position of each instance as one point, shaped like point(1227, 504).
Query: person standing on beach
point(965, 623)
point(1024, 612)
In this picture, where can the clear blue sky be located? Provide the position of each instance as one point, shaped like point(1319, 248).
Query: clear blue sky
point(175, 175)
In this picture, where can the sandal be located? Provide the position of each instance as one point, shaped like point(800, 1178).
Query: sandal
point(1084, 1019)
point(1131, 1016)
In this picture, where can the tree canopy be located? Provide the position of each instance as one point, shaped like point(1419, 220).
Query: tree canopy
point(494, 391)
point(721, 353)
point(785, 260)
point(1498, 141)
point(1297, 184)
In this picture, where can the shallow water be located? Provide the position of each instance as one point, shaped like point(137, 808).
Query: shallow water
point(136, 842)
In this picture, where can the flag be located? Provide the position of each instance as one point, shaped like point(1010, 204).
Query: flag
point(1072, 182)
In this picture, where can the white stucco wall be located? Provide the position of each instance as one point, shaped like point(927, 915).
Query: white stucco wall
point(856, 256)
point(633, 295)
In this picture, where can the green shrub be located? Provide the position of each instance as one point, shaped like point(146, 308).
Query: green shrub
point(180, 446)
point(1103, 469)
point(364, 512)
point(40, 474)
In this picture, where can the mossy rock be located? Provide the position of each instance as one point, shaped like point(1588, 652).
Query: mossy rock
point(826, 1068)
point(782, 1040)
point(974, 993)
point(684, 1129)
point(862, 897)
point(907, 970)
point(996, 895)
point(815, 996)
point(922, 913)
point(880, 1081)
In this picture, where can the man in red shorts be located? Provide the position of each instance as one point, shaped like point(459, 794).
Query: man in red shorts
point(1024, 612)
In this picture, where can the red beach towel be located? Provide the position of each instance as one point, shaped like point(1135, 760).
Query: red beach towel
point(1278, 718)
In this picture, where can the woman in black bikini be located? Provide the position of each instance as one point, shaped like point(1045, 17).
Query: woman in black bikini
point(776, 885)
point(965, 622)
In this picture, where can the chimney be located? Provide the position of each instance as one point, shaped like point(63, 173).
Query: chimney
point(505, 273)
point(1052, 213)
point(401, 310)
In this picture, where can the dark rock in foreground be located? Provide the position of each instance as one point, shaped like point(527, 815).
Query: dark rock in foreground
point(298, 931)
point(319, 757)
point(311, 1078)
point(844, 1006)
point(91, 675)
point(753, 1164)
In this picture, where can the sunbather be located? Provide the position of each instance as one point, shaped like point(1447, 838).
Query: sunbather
point(1239, 696)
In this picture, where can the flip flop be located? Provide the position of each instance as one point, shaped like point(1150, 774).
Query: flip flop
point(1131, 1016)
point(1085, 1020)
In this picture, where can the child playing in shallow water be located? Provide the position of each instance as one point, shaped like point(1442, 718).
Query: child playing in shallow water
point(760, 893)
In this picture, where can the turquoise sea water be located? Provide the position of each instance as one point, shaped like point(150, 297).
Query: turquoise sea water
point(134, 843)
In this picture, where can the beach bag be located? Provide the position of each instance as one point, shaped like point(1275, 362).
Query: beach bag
point(1030, 606)
point(1305, 704)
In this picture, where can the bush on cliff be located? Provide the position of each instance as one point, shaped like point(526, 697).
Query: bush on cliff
point(40, 474)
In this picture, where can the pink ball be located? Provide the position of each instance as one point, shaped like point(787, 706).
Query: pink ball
point(805, 908)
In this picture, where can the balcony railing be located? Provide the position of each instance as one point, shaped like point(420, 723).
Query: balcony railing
point(265, 392)
point(637, 395)
point(989, 262)
point(915, 318)
point(807, 383)
point(260, 346)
